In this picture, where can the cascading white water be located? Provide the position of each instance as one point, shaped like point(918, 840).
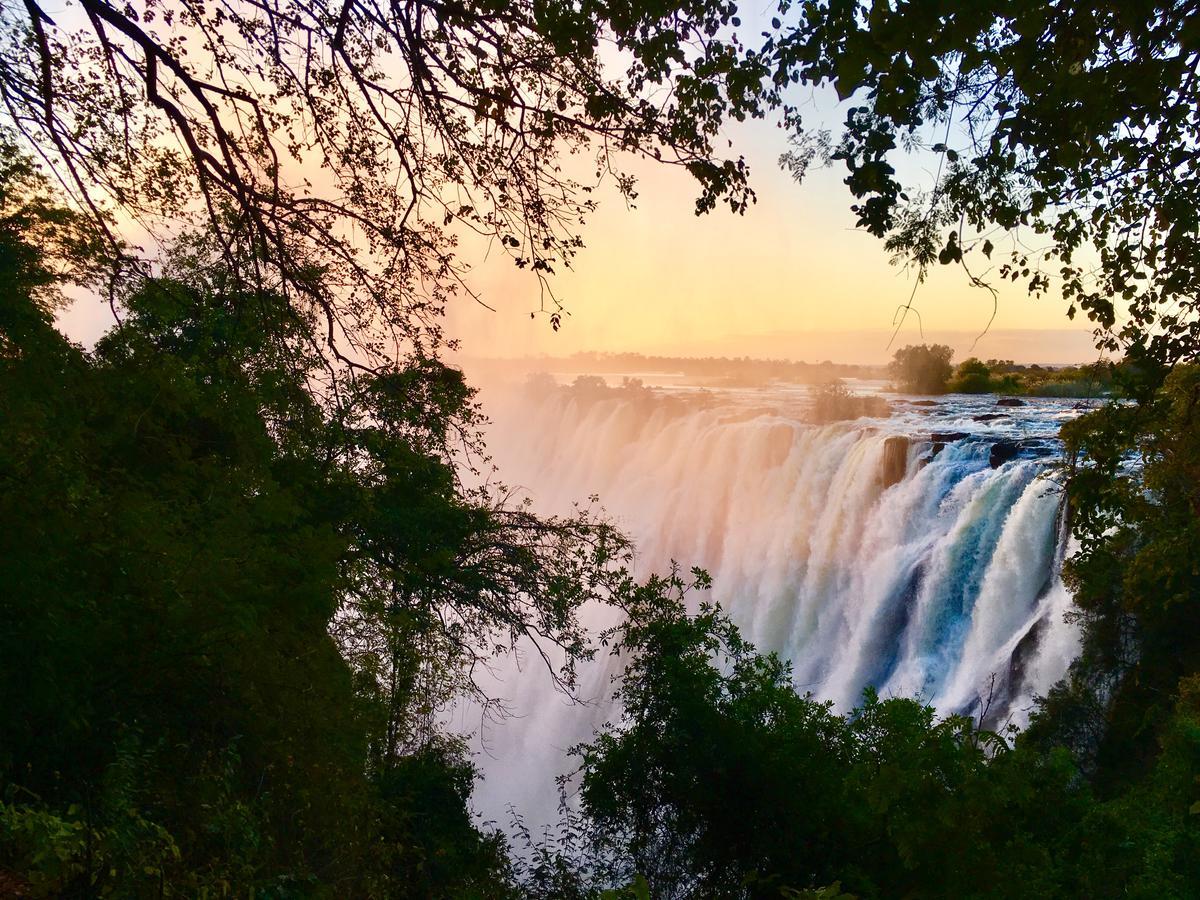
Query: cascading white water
point(942, 585)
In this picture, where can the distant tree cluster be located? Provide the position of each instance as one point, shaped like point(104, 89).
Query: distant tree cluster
point(922, 369)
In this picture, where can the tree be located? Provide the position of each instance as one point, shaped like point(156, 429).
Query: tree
point(720, 780)
point(1134, 579)
point(921, 368)
point(214, 571)
point(1062, 130)
point(367, 138)
point(972, 377)
point(833, 402)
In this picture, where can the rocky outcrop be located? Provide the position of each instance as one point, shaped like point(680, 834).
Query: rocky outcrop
point(990, 417)
point(1002, 452)
point(947, 437)
point(895, 461)
point(1010, 401)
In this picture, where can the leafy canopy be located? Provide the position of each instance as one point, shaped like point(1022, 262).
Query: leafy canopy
point(373, 136)
point(235, 608)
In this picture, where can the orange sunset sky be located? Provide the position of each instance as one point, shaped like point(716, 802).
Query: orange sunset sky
point(792, 278)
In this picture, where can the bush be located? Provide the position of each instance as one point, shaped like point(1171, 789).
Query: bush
point(972, 377)
point(833, 402)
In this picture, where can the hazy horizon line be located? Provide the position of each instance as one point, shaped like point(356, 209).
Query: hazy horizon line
point(856, 347)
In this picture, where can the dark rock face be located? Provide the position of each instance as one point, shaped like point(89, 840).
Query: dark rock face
point(990, 417)
point(1010, 401)
point(1002, 452)
point(947, 437)
point(1037, 448)
point(895, 461)
point(924, 403)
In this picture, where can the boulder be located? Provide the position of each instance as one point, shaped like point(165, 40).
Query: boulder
point(1010, 401)
point(990, 417)
point(924, 403)
point(1002, 452)
point(947, 437)
point(1039, 448)
point(895, 461)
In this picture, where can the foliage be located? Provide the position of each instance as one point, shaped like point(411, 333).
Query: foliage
point(721, 780)
point(833, 402)
point(234, 605)
point(430, 123)
point(1134, 503)
point(971, 377)
point(922, 369)
point(225, 557)
point(1063, 133)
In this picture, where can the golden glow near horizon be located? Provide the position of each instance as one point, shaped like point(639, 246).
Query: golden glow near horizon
point(791, 278)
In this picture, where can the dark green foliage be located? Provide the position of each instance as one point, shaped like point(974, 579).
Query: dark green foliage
point(1063, 135)
point(239, 584)
point(231, 609)
point(169, 574)
point(722, 781)
point(971, 377)
point(922, 369)
point(1135, 508)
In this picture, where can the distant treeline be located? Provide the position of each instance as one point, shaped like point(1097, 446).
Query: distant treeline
point(736, 369)
point(927, 369)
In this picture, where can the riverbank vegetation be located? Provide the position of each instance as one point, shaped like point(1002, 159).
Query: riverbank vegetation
point(927, 369)
point(834, 402)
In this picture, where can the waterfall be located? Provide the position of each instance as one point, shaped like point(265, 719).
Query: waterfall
point(884, 553)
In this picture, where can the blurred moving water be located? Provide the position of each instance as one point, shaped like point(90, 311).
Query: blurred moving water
point(918, 553)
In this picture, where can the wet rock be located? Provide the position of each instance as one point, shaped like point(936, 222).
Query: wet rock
point(990, 417)
point(1002, 452)
point(936, 448)
point(1010, 401)
point(924, 403)
point(1036, 448)
point(947, 437)
point(895, 461)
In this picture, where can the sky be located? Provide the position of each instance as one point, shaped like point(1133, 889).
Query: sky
point(791, 278)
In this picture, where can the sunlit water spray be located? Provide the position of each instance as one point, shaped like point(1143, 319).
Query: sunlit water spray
point(918, 554)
